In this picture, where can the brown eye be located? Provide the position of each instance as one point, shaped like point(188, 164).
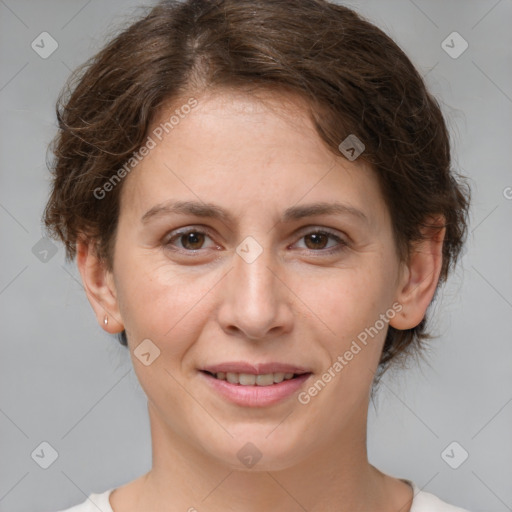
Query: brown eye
point(187, 241)
point(317, 240)
point(192, 240)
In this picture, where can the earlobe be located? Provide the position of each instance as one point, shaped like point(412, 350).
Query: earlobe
point(420, 276)
point(99, 287)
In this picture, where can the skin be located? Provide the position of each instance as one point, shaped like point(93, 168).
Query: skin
point(255, 156)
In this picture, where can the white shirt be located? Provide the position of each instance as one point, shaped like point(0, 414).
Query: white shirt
point(422, 502)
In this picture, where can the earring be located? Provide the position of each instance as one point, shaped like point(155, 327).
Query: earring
point(105, 321)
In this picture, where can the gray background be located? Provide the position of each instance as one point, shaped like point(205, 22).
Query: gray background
point(66, 382)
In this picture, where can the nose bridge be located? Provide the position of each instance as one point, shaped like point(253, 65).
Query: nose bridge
point(253, 278)
point(253, 302)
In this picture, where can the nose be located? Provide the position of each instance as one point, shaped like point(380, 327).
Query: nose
point(256, 301)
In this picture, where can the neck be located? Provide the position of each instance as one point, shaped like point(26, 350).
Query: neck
point(336, 477)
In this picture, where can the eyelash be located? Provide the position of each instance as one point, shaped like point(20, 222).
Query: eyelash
point(342, 244)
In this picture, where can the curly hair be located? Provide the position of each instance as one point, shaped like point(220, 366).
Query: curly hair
point(354, 78)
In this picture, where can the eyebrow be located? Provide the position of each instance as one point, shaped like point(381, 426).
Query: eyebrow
point(213, 211)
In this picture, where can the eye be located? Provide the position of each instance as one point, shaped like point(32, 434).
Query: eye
point(191, 239)
point(317, 240)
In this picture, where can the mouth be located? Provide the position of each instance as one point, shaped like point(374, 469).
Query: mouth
point(251, 379)
point(255, 385)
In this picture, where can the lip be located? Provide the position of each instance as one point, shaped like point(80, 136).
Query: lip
point(255, 368)
point(255, 396)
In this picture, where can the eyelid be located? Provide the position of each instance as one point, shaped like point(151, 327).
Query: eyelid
point(314, 228)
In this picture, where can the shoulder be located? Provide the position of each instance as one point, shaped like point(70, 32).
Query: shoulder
point(427, 502)
point(93, 503)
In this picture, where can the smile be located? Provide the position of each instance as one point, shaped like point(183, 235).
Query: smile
point(248, 379)
point(255, 390)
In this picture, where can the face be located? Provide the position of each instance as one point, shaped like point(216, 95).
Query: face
point(251, 279)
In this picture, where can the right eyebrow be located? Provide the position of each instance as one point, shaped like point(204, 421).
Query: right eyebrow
point(188, 207)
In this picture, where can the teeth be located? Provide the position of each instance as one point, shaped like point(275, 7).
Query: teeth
point(232, 378)
point(262, 380)
point(248, 379)
point(245, 379)
point(279, 377)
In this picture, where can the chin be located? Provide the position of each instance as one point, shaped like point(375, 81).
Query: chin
point(255, 450)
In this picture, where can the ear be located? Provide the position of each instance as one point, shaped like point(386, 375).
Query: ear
point(99, 287)
point(420, 276)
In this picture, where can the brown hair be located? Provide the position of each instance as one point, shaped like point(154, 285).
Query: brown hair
point(354, 79)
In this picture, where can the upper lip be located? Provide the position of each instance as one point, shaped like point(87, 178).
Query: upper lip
point(254, 368)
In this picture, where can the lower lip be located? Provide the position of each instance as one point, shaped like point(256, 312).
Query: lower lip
point(256, 396)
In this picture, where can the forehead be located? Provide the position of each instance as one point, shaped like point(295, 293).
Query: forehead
point(237, 121)
point(255, 148)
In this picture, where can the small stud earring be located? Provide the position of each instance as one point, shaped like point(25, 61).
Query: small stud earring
point(105, 321)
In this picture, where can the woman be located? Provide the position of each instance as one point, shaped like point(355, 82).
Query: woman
point(260, 201)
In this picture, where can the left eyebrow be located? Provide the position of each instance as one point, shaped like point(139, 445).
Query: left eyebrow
point(211, 210)
point(310, 210)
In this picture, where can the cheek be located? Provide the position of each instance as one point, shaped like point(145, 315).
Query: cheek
point(162, 304)
point(349, 306)
point(349, 299)
point(167, 305)
point(347, 310)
